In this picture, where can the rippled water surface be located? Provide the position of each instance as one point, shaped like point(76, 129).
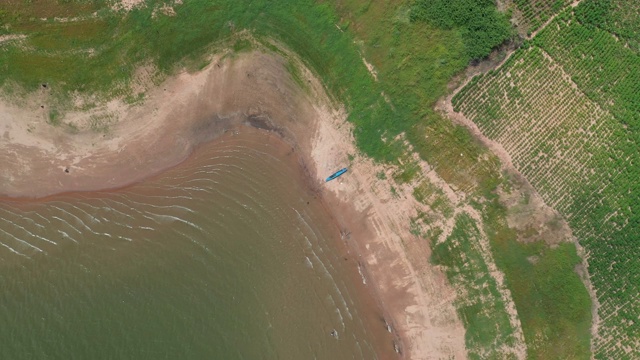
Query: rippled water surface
point(227, 256)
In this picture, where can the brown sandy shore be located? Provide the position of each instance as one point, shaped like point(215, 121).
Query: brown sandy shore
point(254, 89)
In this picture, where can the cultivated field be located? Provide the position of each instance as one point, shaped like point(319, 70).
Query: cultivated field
point(566, 109)
point(552, 131)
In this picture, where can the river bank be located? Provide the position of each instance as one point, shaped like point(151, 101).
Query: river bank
point(254, 89)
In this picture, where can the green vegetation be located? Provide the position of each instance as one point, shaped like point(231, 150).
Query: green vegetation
point(427, 193)
point(297, 76)
point(125, 41)
point(100, 123)
point(553, 304)
point(242, 45)
point(481, 26)
point(407, 171)
point(18, 10)
point(581, 80)
point(480, 305)
point(54, 117)
point(394, 192)
point(100, 54)
point(415, 61)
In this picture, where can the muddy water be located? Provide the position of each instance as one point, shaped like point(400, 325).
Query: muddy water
point(228, 256)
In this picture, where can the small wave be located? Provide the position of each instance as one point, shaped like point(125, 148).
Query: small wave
point(64, 234)
point(13, 250)
point(26, 243)
point(308, 262)
point(29, 232)
point(67, 223)
point(170, 218)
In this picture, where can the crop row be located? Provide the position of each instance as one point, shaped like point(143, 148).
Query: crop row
point(603, 67)
point(546, 125)
point(620, 17)
point(537, 12)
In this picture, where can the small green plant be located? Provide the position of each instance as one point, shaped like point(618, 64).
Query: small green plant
point(242, 45)
point(414, 227)
point(407, 173)
point(54, 117)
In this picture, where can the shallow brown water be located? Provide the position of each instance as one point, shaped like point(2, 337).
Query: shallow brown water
point(229, 255)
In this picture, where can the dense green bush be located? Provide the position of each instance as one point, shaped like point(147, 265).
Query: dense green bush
point(482, 27)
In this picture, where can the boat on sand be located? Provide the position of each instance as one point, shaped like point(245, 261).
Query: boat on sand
point(336, 174)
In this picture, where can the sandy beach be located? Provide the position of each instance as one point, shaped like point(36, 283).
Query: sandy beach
point(252, 89)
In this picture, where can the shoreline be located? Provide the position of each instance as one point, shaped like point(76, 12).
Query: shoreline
point(254, 89)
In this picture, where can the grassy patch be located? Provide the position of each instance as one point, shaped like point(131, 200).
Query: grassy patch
point(100, 123)
point(553, 304)
point(242, 45)
point(407, 172)
point(20, 9)
point(394, 193)
point(59, 37)
point(297, 77)
point(480, 305)
point(427, 193)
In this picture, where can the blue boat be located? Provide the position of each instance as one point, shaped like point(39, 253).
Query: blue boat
point(336, 174)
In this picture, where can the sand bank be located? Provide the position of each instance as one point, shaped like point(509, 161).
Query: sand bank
point(250, 89)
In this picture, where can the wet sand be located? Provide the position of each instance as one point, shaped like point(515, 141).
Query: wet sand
point(252, 89)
